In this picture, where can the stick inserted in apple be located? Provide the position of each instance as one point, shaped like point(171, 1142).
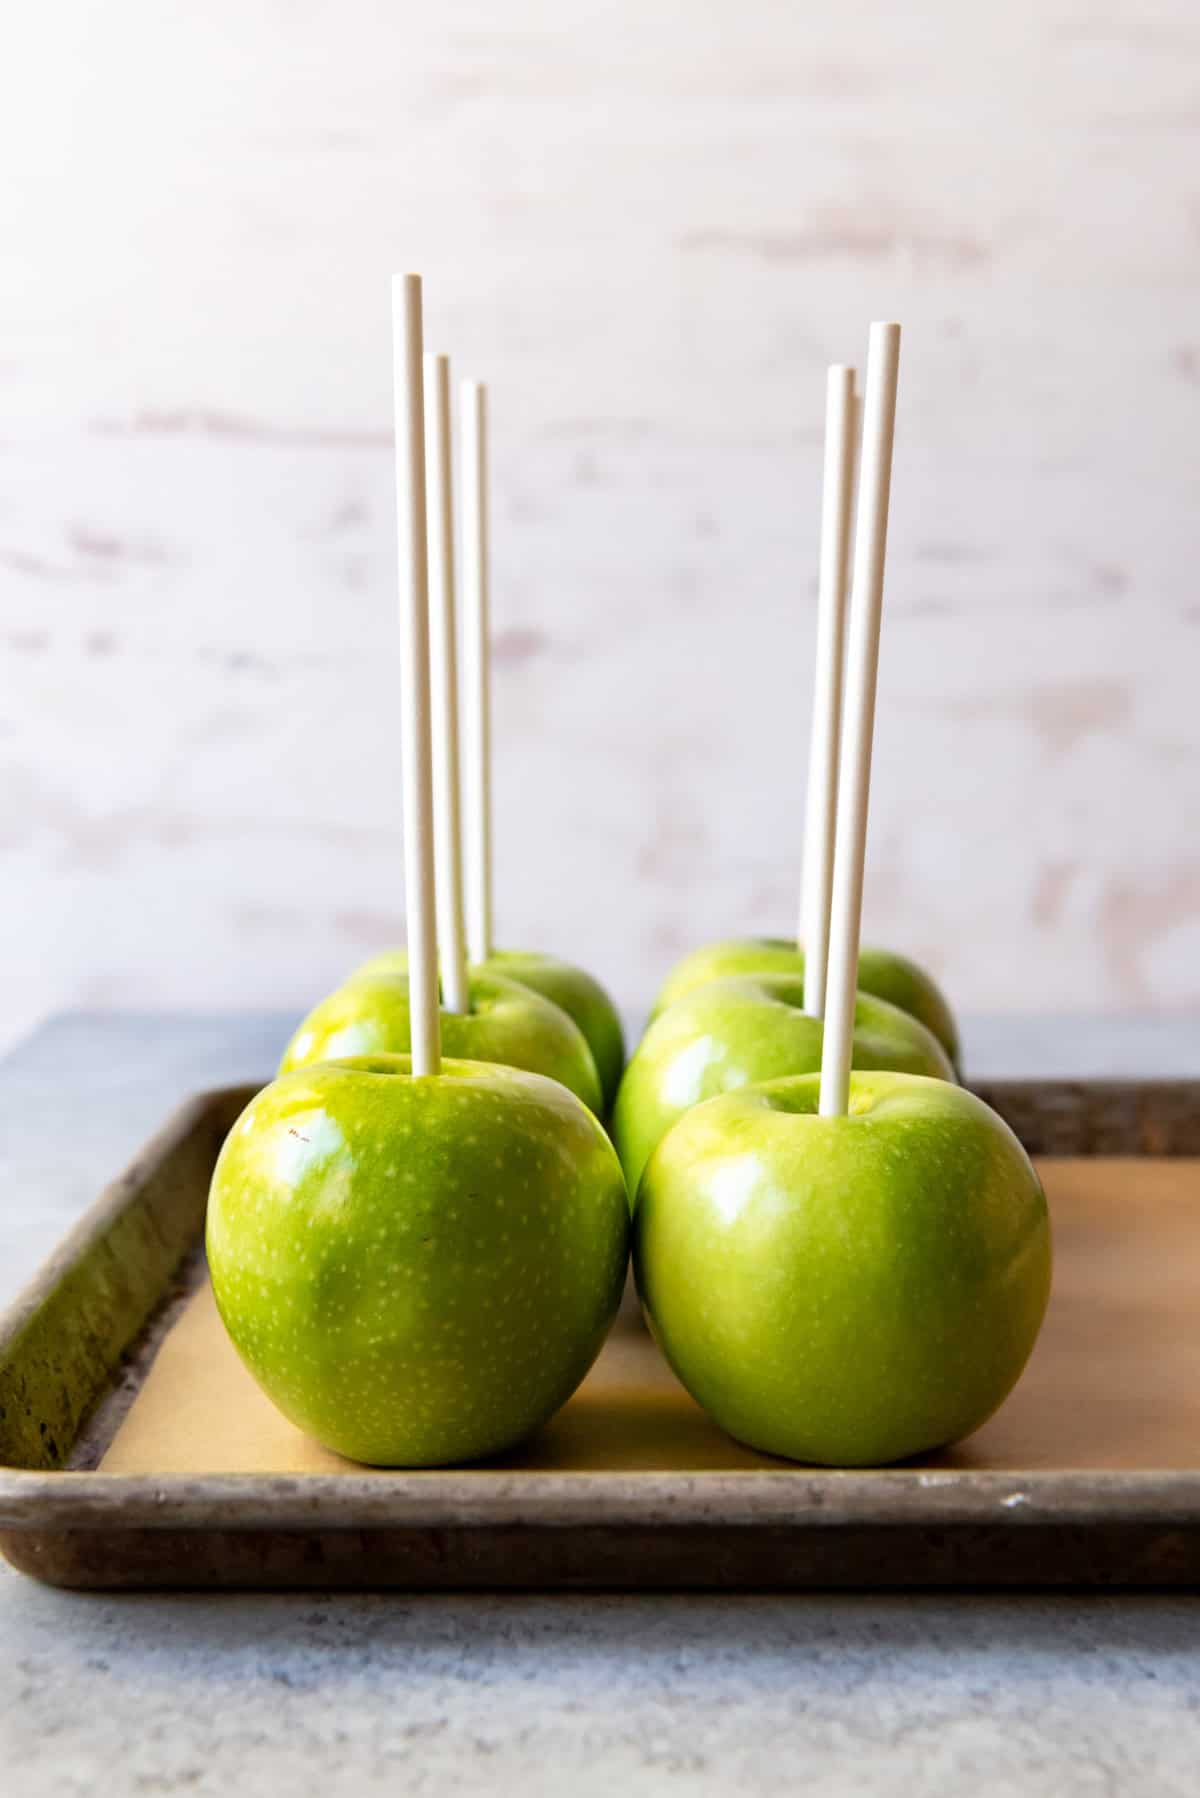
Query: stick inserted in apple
point(740, 1031)
point(565, 986)
point(737, 1028)
point(563, 983)
point(881, 972)
point(418, 1259)
point(846, 1268)
point(488, 1014)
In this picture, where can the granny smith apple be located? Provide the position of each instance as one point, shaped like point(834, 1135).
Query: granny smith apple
point(507, 1023)
point(735, 1032)
point(417, 1271)
point(844, 1290)
point(581, 997)
point(880, 973)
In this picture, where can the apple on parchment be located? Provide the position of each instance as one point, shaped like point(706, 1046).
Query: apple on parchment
point(881, 973)
point(733, 1032)
point(844, 1290)
point(418, 1258)
point(417, 1270)
point(846, 1268)
point(567, 986)
point(508, 1023)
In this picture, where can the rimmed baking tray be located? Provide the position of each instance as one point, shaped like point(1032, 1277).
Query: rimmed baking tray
point(135, 1452)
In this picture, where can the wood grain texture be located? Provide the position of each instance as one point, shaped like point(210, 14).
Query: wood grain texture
point(198, 747)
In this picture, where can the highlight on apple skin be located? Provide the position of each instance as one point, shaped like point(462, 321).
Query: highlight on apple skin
point(881, 972)
point(417, 1272)
point(738, 1031)
point(845, 1291)
point(508, 1024)
point(567, 986)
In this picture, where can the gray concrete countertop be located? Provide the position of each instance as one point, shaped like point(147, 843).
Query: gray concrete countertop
point(980, 1695)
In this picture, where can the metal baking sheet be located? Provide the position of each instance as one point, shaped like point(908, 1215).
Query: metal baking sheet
point(135, 1451)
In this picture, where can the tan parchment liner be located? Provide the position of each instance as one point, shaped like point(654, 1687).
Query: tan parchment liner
point(1114, 1382)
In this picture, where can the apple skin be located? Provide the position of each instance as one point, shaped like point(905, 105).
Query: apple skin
point(881, 973)
point(582, 997)
point(570, 988)
point(417, 1272)
point(508, 1023)
point(844, 1291)
point(737, 1032)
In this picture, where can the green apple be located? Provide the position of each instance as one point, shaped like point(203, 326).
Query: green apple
point(508, 1023)
point(417, 1271)
point(844, 1290)
point(581, 997)
point(736, 1032)
point(880, 972)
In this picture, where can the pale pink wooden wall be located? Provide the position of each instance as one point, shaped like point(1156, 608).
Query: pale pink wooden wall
point(651, 225)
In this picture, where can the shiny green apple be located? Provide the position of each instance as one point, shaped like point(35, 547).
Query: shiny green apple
point(736, 1032)
point(571, 988)
point(880, 972)
point(582, 997)
point(508, 1023)
point(417, 1271)
point(846, 1290)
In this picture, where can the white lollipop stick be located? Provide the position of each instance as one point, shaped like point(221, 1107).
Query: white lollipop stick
point(820, 816)
point(870, 549)
point(476, 667)
point(444, 666)
point(413, 571)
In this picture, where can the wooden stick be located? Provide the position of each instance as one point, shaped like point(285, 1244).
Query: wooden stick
point(870, 550)
point(837, 505)
point(476, 666)
point(413, 569)
point(447, 820)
